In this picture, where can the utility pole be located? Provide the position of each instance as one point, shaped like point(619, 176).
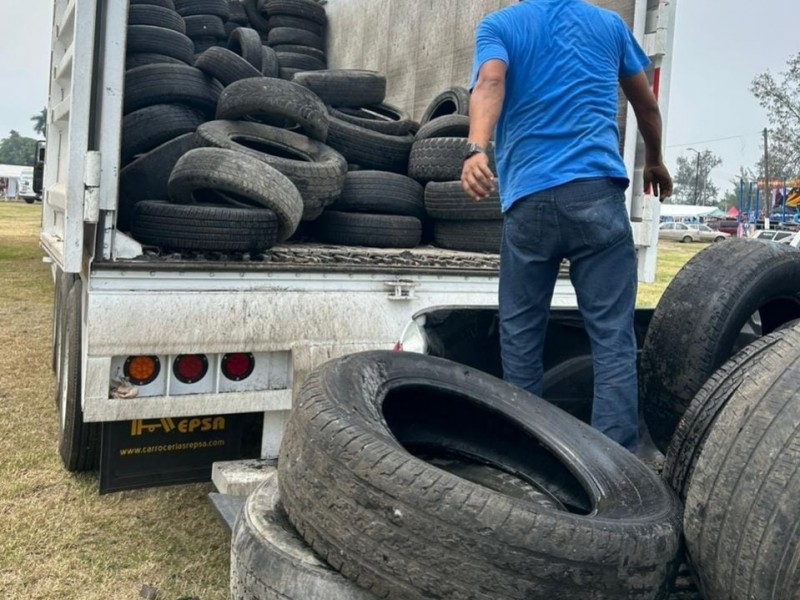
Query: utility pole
point(696, 174)
point(767, 198)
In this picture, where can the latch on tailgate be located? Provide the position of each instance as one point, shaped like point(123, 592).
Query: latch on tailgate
point(91, 185)
point(401, 290)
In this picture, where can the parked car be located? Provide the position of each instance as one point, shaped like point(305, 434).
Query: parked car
point(729, 226)
point(683, 232)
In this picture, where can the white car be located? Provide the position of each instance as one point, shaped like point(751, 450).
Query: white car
point(771, 235)
point(684, 232)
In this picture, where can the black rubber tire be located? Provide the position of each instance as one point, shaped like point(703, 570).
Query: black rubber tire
point(345, 87)
point(370, 149)
point(741, 521)
point(203, 44)
point(293, 60)
point(237, 12)
point(295, 23)
point(316, 170)
point(142, 60)
point(29, 200)
point(454, 101)
point(305, 9)
point(698, 421)
point(204, 26)
point(288, 73)
point(692, 334)
point(248, 180)
point(440, 159)
point(170, 84)
point(381, 193)
point(382, 118)
point(447, 126)
point(270, 561)
point(204, 228)
point(225, 66)
point(275, 102)
point(147, 39)
point(403, 528)
point(78, 442)
point(157, 16)
point(162, 3)
point(147, 128)
point(218, 8)
point(257, 22)
point(374, 231)
point(146, 177)
point(56, 322)
point(307, 50)
point(469, 236)
point(247, 43)
point(270, 67)
point(447, 201)
point(296, 37)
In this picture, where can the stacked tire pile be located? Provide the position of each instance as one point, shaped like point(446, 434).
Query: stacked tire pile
point(720, 380)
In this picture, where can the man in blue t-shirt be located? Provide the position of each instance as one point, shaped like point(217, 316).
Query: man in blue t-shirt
point(546, 83)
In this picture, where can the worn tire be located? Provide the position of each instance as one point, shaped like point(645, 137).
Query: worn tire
point(447, 126)
point(447, 201)
point(293, 60)
point(381, 193)
point(270, 561)
point(254, 17)
point(157, 16)
point(235, 175)
point(275, 102)
point(237, 12)
point(370, 149)
point(247, 43)
point(741, 521)
point(304, 9)
point(317, 171)
point(147, 128)
point(204, 26)
point(297, 37)
point(454, 101)
point(162, 3)
point(146, 177)
point(402, 528)
point(270, 67)
point(296, 23)
point(440, 159)
point(170, 84)
point(375, 231)
point(307, 50)
point(147, 39)
point(693, 334)
point(78, 441)
point(469, 236)
point(225, 66)
point(218, 8)
point(142, 60)
point(345, 87)
point(204, 228)
point(382, 118)
point(698, 421)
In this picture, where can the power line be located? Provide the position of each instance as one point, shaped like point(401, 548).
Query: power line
point(724, 139)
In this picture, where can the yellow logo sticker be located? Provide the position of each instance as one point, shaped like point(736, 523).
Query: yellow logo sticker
point(168, 425)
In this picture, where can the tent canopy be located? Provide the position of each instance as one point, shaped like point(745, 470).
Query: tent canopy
point(683, 211)
point(13, 171)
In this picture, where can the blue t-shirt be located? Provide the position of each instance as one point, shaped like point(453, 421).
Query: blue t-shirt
point(559, 119)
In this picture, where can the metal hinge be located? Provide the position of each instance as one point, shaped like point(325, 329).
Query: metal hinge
point(401, 290)
point(91, 185)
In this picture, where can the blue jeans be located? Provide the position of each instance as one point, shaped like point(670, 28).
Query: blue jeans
point(586, 222)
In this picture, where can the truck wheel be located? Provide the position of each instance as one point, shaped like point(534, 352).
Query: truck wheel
point(468, 236)
point(170, 84)
point(221, 175)
point(78, 442)
point(370, 149)
point(403, 528)
point(219, 8)
point(344, 87)
point(149, 127)
point(380, 193)
point(382, 118)
point(225, 66)
point(447, 126)
point(247, 43)
point(304, 9)
point(375, 231)
point(270, 561)
point(440, 159)
point(755, 288)
point(158, 40)
point(454, 101)
point(277, 103)
point(157, 16)
point(448, 201)
point(741, 520)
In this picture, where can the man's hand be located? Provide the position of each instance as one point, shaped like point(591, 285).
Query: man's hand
point(477, 178)
point(657, 178)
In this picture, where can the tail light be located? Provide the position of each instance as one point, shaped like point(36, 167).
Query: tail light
point(141, 370)
point(190, 368)
point(238, 366)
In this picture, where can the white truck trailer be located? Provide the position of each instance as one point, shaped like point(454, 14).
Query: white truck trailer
point(117, 306)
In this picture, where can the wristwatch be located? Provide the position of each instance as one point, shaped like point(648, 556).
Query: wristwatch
point(473, 149)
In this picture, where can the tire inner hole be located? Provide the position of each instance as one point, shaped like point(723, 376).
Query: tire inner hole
point(214, 197)
point(446, 107)
point(467, 439)
point(272, 148)
point(372, 113)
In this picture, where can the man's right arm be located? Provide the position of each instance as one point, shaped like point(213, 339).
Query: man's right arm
point(637, 90)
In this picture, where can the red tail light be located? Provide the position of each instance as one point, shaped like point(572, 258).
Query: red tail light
point(190, 368)
point(238, 366)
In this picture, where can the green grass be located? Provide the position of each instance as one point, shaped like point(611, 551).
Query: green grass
point(672, 256)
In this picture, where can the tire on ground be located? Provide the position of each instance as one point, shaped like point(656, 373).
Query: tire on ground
point(170, 84)
point(448, 201)
point(317, 171)
point(204, 228)
point(241, 179)
point(225, 66)
point(753, 289)
point(345, 87)
point(149, 127)
point(147, 39)
point(381, 193)
point(741, 521)
point(158, 16)
point(454, 101)
point(370, 149)
point(469, 236)
point(275, 102)
point(376, 231)
point(440, 159)
point(403, 528)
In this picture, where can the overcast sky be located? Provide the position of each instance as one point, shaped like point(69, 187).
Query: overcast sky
point(720, 45)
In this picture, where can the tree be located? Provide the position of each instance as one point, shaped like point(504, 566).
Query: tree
point(17, 150)
point(693, 182)
point(40, 121)
point(781, 98)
